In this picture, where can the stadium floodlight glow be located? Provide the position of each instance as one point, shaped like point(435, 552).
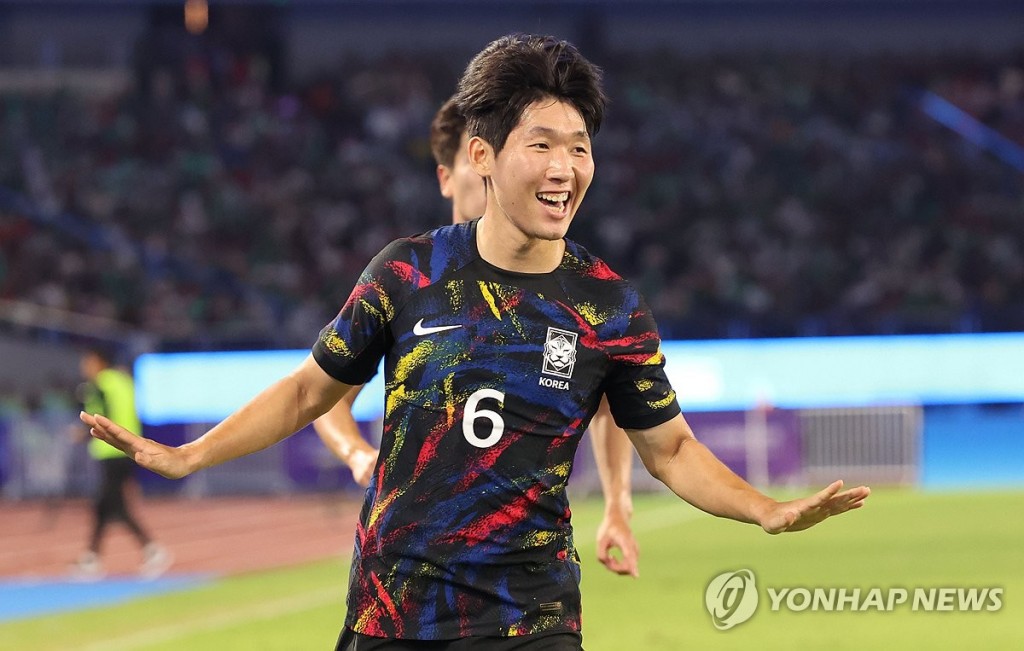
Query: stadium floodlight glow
point(206, 387)
point(724, 375)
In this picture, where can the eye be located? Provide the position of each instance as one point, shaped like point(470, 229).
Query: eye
point(580, 149)
point(540, 145)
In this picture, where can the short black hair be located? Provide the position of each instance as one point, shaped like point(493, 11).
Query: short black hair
point(516, 70)
point(446, 132)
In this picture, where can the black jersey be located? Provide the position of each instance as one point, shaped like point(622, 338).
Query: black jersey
point(491, 378)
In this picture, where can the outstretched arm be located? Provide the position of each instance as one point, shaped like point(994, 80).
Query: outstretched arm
point(675, 457)
point(282, 409)
point(614, 456)
point(340, 433)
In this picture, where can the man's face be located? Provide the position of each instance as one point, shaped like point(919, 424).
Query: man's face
point(463, 186)
point(90, 366)
point(541, 175)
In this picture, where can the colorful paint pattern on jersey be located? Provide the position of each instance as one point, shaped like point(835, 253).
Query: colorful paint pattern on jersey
point(491, 378)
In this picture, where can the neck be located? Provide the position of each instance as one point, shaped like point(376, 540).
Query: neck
point(508, 248)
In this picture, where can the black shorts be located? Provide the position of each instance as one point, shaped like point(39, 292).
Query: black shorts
point(554, 641)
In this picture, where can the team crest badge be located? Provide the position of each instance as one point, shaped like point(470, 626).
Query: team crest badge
point(560, 353)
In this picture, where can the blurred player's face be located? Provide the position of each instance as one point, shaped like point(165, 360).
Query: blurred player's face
point(541, 175)
point(90, 366)
point(463, 186)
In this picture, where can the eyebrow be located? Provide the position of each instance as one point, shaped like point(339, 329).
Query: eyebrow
point(552, 133)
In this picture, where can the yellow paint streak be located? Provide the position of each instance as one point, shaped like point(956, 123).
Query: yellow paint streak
point(336, 344)
point(454, 288)
point(562, 469)
point(654, 360)
point(489, 297)
point(541, 538)
point(413, 360)
point(396, 396)
point(643, 385)
point(664, 402)
point(448, 386)
point(363, 620)
point(381, 505)
point(589, 312)
point(385, 301)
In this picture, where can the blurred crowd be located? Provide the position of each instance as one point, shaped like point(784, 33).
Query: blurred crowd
point(747, 195)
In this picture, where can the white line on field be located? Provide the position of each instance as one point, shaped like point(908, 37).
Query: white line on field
point(170, 632)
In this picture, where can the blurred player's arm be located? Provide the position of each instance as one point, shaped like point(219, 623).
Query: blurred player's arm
point(340, 433)
point(614, 456)
point(675, 457)
point(277, 412)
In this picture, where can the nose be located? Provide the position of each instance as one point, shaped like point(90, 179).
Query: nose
point(560, 167)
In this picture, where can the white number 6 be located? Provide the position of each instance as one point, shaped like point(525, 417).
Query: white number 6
point(472, 414)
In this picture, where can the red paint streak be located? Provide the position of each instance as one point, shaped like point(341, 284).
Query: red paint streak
point(640, 359)
point(511, 513)
point(588, 336)
point(486, 461)
point(408, 273)
point(384, 598)
point(429, 450)
point(632, 341)
point(371, 536)
point(602, 271)
point(464, 607)
point(358, 293)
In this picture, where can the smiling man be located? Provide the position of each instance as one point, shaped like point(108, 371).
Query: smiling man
point(460, 183)
point(465, 540)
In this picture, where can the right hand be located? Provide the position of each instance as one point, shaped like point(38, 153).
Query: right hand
point(362, 463)
point(169, 462)
point(615, 533)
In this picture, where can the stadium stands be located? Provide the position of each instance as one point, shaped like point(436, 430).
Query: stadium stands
point(747, 196)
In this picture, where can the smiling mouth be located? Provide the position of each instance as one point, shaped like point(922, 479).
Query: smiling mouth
point(557, 200)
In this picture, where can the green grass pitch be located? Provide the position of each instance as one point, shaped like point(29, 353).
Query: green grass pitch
point(903, 539)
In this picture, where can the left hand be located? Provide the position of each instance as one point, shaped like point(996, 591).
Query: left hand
point(615, 533)
point(797, 515)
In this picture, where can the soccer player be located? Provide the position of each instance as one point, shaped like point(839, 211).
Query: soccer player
point(499, 338)
point(111, 392)
point(612, 452)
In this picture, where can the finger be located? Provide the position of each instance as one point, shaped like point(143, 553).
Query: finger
point(107, 437)
point(108, 424)
point(631, 559)
point(605, 546)
point(618, 565)
point(843, 500)
point(851, 504)
point(860, 491)
point(116, 432)
point(827, 493)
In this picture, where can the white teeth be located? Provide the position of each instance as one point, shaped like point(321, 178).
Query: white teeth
point(556, 197)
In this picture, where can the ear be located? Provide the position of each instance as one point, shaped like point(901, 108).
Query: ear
point(444, 181)
point(481, 156)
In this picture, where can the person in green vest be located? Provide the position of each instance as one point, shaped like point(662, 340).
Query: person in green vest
point(111, 391)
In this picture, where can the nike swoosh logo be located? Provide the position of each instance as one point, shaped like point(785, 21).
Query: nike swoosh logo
point(419, 329)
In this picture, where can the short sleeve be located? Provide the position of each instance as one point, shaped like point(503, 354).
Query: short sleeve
point(639, 393)
point(350, 347)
